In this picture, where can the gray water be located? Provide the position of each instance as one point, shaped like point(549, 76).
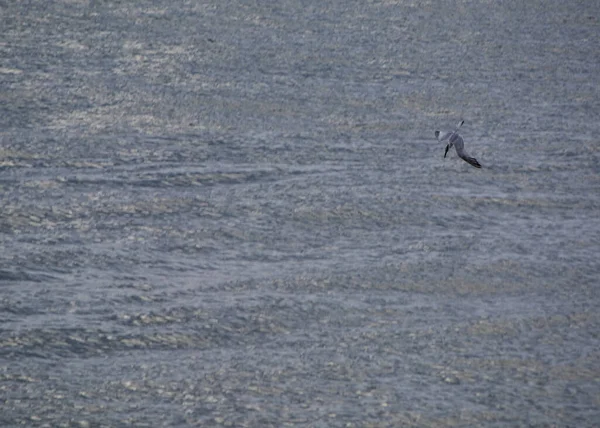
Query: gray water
point(237, 214)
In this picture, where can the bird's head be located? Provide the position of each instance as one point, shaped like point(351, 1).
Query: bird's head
point(437, 134)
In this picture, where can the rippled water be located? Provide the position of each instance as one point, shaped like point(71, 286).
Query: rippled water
point(232, 213)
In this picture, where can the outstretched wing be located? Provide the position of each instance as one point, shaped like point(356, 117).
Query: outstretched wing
point(460, 150)
point(446, 151)
point(471, 161)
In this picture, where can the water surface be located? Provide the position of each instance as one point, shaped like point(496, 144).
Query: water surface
point(238, 214)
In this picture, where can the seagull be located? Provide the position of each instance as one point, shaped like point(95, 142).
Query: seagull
point(457, 141)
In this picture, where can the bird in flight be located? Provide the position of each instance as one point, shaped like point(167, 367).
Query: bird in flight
point(454, 139)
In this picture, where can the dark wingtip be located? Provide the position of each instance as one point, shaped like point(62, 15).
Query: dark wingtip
point(471, 161)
